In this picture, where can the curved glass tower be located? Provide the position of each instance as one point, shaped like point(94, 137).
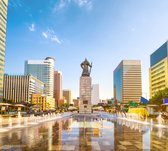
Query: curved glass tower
point(44, 71)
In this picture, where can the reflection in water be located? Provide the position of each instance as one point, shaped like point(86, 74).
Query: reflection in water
point(146, 139)
point(86, 133)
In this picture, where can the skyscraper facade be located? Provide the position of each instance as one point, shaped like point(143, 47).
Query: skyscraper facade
point(3, 21)
point(44, 71)
point(19, 88)
point(95, 94)
point(57, 86)
point(127, 81)
point(67, 96)
point(158, 71)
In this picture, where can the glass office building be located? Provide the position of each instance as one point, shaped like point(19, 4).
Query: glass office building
point(158, 71)
point(127, 81)
point(117, 79)
point(3, 21)
point(44, 71)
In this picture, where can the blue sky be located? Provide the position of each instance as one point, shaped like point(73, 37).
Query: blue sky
point(103, 31)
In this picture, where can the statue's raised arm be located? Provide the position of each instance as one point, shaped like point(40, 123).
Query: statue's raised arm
point(86, 66)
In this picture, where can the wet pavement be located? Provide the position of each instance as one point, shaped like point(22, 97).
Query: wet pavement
point(86, 133)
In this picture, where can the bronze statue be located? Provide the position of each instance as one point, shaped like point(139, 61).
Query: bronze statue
point(85, 66)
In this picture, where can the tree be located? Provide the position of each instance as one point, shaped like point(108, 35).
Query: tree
point(64, 106)
point(132, 103)
point(4, 100)
point(7, 101)
point(158, 97)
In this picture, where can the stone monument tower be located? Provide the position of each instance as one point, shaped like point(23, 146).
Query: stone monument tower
point(85, 88)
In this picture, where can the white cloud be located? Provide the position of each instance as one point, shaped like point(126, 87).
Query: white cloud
point(60, 5)
point(44, 34)
point(80, 3)
point(90, 5)
point(32, 27)
point(84, 3)
point(55, 38)
point(50, 34)
point(16, 3)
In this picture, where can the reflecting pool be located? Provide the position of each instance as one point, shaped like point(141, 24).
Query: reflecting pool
point(86, 133)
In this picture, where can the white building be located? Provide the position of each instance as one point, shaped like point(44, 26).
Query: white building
point(20, 88)
point(44, 71)
point(95, 94)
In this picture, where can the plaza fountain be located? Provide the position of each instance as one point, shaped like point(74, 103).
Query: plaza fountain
point(19, 121)
point(131, 118)
point(22, 122)
point(9, 122)
point(2, 129)
point(160, 121)
point(32, 120)
point(25, 121)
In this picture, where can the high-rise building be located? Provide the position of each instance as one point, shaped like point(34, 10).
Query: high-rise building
point(67, 96)
point(3, 21)
point(19, 88)
point(57, 86)
point(158, 71)
point(127, 81)
point(95, 94)
point(44, 71)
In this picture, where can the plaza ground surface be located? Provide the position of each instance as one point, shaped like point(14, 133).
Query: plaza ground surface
point(86, 133)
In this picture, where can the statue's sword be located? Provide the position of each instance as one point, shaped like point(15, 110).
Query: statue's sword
point(90, 67)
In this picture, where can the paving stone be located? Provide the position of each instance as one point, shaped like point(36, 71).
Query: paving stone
point(68, 147)
point(121, 147)
point(125, 143)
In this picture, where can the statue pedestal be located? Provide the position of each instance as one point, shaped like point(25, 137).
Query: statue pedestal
point(85, 94)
